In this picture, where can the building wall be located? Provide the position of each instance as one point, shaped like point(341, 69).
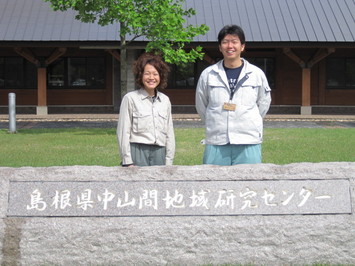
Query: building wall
point(64, 96)
point(287, 89)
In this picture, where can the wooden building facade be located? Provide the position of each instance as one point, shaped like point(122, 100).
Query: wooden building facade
point(56, 64)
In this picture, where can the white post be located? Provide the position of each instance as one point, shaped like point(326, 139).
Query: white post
point(12, 113)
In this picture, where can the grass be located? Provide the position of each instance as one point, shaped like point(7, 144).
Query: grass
point(283, 146)
point(82, 146)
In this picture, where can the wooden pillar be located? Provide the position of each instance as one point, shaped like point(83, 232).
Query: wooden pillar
point(41, 74)
point(306, 108)
point(42, 91)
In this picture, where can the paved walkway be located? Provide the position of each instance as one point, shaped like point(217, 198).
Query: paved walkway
point(180, 120)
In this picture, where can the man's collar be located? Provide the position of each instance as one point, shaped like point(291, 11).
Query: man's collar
point(245, 69)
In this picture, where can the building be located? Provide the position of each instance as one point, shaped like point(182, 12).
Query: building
point(56, 64)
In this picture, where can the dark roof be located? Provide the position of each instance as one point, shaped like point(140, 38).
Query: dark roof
point(280, 20)
point(262, 20)
point(34, 20)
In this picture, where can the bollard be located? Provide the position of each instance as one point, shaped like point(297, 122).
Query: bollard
point(12, 113)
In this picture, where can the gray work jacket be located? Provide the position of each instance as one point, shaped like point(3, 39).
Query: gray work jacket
point(145, 121)
point(252, 99)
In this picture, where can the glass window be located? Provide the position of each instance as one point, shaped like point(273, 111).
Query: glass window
point(267, 64)
point(56, 74)
point(2, 75)
point(17, 73)
point(95, 72)
point(30, 75)
point(13, 72)
point(77, 72)
point(182, 76)
point(340, 73)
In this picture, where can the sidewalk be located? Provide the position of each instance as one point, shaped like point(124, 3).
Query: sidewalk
point(114, 117)
point(180, 121)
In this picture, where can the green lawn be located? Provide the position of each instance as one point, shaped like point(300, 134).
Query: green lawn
point(80, 146)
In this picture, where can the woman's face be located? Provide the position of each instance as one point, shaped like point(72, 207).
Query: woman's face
point(151, 79)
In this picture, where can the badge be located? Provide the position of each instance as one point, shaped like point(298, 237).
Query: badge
point(229, 106)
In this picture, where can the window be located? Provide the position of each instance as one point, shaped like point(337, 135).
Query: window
point(17, 73)
point(182, 76)
point(77, 72)
point(267, 64)
point(56, 74)
point(2, 77)
point(340, 73)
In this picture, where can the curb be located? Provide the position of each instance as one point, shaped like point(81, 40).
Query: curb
point(182, 117)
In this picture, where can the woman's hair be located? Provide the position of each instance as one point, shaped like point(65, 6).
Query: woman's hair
point(232, 30)
point(157, 62)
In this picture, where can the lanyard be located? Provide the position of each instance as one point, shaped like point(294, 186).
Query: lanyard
point(239, 83)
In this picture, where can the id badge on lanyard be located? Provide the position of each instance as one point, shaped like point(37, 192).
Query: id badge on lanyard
point(229, 106)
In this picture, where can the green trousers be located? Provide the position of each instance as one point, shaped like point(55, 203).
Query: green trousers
point(147, 155)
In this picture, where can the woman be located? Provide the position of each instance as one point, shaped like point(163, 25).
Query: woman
point(145, 128)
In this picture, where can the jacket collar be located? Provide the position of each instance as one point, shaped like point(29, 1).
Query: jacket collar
point(246, 67)
point(219, 69)
point(144, 94)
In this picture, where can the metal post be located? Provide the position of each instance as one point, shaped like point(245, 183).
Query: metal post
point(12, 113)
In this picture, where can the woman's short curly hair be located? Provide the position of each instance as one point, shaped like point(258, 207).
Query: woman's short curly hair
point(156, 61)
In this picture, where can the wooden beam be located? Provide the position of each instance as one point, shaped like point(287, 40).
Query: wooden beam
point(25, 53)
point(114, 53)
point(42, 86)
point(319, 55)
point(294, 57)
point(55, 55)
point(306, 70)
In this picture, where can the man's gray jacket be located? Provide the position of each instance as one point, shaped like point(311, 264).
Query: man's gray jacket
point(252, 99)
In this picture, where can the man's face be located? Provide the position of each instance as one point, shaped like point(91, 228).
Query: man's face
point(231, 47)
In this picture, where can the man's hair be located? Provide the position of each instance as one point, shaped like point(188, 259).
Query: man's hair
point(232, 30)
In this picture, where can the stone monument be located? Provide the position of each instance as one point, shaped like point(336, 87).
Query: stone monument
point(178, 215)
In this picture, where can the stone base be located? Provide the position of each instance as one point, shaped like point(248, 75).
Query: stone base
point(42, 110)
point(274, 239)
point(306, 110)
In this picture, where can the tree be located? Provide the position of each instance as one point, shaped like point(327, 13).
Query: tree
point(161, 22)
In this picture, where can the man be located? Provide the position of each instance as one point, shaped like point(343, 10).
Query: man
point(232, 97)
